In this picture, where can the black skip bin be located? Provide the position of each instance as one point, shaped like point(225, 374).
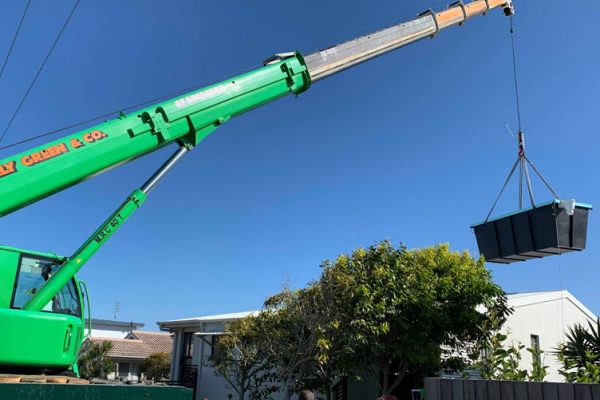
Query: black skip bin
point(547, 229)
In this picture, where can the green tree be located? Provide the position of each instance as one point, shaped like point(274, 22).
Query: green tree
point(302, 333)
point(501, 361)
point(157, 366)
point(94, 361)
point(290, 330)
point(396, 309)
point(539, 371)
point(240, 357)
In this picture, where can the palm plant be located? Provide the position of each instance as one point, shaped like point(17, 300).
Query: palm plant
point(580, 354)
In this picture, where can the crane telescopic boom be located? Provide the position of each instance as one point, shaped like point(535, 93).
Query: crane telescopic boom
point(40, 172)
point(35, 174)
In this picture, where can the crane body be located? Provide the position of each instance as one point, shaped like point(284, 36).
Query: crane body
point(39, 292)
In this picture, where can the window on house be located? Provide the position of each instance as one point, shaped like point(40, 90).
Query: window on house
point(188, 348)
point(214, 345)
point(124, 370)
point(536, 357)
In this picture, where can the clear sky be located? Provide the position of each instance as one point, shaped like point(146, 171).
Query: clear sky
point(410, 147)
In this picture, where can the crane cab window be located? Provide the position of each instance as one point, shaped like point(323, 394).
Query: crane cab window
point(32, 274)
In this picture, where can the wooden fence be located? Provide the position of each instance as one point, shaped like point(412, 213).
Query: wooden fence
point(461, 389)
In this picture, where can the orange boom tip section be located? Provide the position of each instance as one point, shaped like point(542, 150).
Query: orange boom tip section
point(459, 12)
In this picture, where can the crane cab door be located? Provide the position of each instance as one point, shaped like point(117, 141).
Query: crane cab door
point(48, 338)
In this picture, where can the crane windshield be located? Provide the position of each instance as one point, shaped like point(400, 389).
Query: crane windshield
point(33, 273)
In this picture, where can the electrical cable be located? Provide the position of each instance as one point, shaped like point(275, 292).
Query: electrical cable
point(39, 71)
point(14, 39)
point(105, 115)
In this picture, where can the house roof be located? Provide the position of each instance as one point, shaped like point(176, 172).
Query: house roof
point(515, 300)
point(138, 345)
point(116, 324)
point(158, 342)
point(205, 318)
point(519, 300)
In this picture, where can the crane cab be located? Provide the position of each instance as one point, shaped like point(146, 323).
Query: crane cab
point(47, 340)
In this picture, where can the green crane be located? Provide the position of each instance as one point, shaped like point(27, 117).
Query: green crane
point(42, 322)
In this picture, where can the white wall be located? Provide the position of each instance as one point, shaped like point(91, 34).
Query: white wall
point(114, 334)
point(112, 330)
point(548, 317)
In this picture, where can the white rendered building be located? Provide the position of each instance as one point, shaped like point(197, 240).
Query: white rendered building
point(543, 317)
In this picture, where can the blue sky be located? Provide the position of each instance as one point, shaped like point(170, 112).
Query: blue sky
point(410, 147)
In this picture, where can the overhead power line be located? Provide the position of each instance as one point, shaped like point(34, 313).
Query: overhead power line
point(14, 39)
point(37, 74)
point(92, 119)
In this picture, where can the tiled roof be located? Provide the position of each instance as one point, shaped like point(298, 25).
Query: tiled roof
point(139, 345)
point(159, 342)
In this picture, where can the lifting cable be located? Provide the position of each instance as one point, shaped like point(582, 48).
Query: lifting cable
point(514, 60)
point(14, 39)
point(522, 160)
point(37, 74)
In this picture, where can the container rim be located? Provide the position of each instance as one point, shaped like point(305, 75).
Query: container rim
point(555, 201)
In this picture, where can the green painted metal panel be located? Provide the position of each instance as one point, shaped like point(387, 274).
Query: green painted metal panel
point(32, 391)
point(9, 261)
point(32, 338)
point(37, 173)
point(34, 253)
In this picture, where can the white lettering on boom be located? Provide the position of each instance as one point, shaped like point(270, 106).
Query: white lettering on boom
point(203, 95)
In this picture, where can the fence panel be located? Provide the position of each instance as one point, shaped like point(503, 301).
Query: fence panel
point(461, 389)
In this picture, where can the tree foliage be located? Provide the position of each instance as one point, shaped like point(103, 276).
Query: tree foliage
point(301, 329)
point(580, 354)
point(94, 361)
point(500, 361)
point(382, 309)
point(240, 357)
point(157, 366)
point(539, 371)
point(396, 309)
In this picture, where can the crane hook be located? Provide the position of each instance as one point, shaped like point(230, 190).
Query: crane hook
point(509, 8)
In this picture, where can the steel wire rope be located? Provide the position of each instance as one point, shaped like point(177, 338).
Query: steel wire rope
point(37, 74)
point(522, 159)
point(14, 39)
point(515, 76)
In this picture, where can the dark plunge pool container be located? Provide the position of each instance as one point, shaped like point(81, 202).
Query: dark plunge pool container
point(536, 232)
